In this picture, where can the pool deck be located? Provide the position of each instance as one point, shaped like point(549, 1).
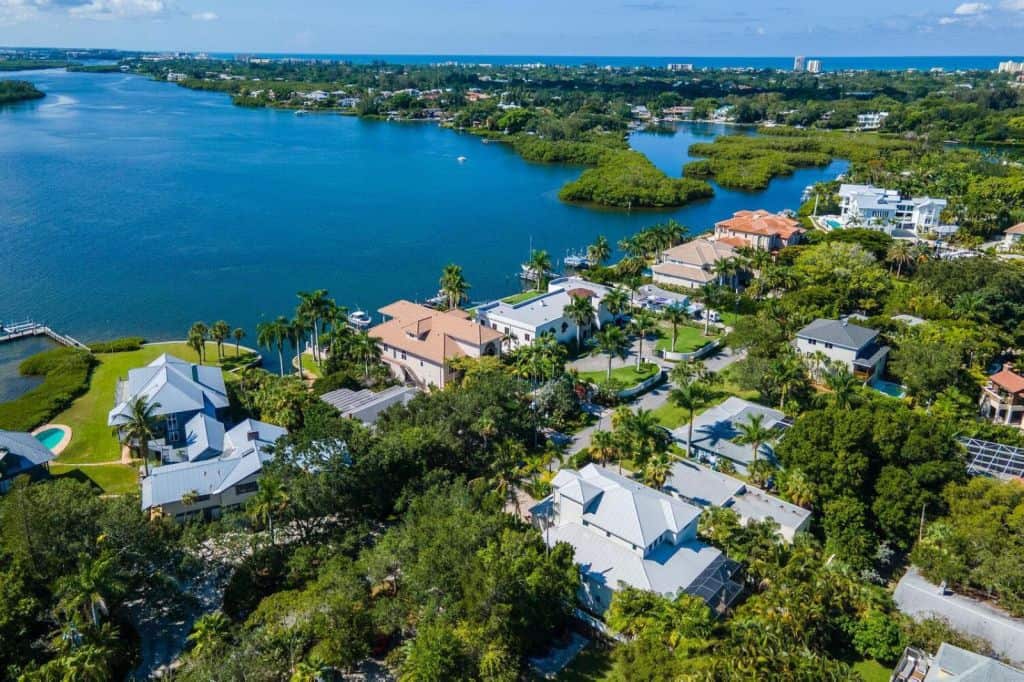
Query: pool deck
point(63, 443)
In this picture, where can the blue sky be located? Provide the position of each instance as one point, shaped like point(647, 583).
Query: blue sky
point(563, 27)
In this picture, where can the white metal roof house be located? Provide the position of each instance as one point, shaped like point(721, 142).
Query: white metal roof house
point(625, 533)
point(703, 487)
point(177, 389)
point(545, 312)
point(886, 210)
point(855, 346)
point(716, 430)
point(952, 664)
point(366, 405)
point(20, 454)
point(220, 469)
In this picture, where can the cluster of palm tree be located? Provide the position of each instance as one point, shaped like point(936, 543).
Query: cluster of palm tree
point(649, 242)
point(270, 499)
point(454, 286)
point(580, 310)
point(219, 332)
point(140, 428)
point(540, 361)
point(903, 254)
point(599, 252)
point(539, 266)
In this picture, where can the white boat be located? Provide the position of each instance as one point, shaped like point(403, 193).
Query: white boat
point(462, 159)
point(359, 319)
point(576, 261)
point(300, 112)
point(437, 300)
point(530, 275)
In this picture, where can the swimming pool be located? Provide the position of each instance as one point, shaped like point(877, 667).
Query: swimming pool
point(893, 390)
point(50, 437)
point(834, 224)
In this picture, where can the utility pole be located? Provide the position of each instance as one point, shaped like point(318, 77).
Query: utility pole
point(920, 532)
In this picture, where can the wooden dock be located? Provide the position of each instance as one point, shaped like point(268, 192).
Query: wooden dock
point(26, 328)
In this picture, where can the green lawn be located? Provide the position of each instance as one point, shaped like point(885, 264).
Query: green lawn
point(92, 441)
point(627, 376)
point(872, 671)
point(520, 297)
point(671, 416)
point(688, 339)
point(309, 365)
point(593, 664)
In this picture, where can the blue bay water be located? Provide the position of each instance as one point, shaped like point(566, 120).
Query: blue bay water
point(129, 206)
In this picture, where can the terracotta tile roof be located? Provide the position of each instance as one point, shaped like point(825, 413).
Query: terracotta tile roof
point(430, 334)
point(1008, 380)
point(700, 252)
point(761, 222)
point(735, 242)
point(580, 292)
point(1016, 229)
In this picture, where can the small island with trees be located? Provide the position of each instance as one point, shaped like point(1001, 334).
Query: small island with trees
point(18, 91)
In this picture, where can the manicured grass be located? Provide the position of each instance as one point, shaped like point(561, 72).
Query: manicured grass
point(309, 365)
point(627, 376)
point(114, 479)
point(872, 671)
point(671, 416)
point(593, 664)
point(688, 339)
point(520, 297)
point(93, 440)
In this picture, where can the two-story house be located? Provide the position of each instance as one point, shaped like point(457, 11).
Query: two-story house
point(759, 229)
point(626, 534)
point(176, 391)
point(852, 345)
point(692, 264)
point(1002, 398)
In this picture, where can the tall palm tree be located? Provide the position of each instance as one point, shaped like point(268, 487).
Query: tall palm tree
point(843, 385)
point(612, 341)
point(728, 270)
point(787, 373)
point(365, 349)
point(453, 285)
point(899, 254)
point(616, 302)
point(643, 323)
point(196, 342)
point(238, 334)
point(508, 469)
point(208, 632)
point(675, 316)
point(270, 498)
point(219, 332)
point(89, 591)
point(580, 310)
point(600, 251)
point(798, 488)
point(199, 330)
point(313, 308)
point(540, 265)
point(271, 334)
point(140, 428)
point(296, 333)
point(755, 434)
point(645, 434)
point(691, 397)
point(603, 446)
point(657, 470)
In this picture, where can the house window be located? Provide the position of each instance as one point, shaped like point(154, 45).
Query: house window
point(246, 488)
point(172, 427)
point(828, 345)
point(812, 342)
point(526, 336)
point(404, 355)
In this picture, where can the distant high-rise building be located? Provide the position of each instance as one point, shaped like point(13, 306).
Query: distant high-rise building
point(798, 64)
point(680, 67)
point(813, 66)
point(1011, 67)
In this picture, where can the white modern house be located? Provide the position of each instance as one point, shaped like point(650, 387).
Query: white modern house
point(524, 321)
point(692, 264)
point(850, 344)
point(887, 210)
point(626, 534)
point(218, 470)
point(872, 120)
point(700, 486)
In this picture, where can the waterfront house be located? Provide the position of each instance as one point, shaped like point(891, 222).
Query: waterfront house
point(218, 469)
point(177, 390)
point(759, 229)
point(366, 405)
point(716, 430)
point(521, 323)
point(887, 210)
point(698, 485)
point(1002, 398)
point(692, 264)
point(872, 120)
point(952, 664)
point(417, 342)
point(850, 344)
point(1012, 237)
point(21, 454)
point(626, 534)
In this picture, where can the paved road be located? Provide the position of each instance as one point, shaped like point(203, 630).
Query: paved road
point(649, 401)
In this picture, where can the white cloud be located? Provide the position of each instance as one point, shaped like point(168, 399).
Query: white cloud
point(968, 9)
point(205, 16)
point(945, 21)
point(12, 11)
point(1013, 5)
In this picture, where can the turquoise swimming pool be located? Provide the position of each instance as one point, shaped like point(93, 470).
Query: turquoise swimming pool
point(50, 437)
point(893, 390)
point(834, 224)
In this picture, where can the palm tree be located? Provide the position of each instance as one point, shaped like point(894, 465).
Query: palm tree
point(787, 374)
point(238, 334)
point(613, 342)
point(140, 428)
point(197, 343)
point(899, 254)
point(270, 498)
point(657, 470)
point(798, 488)
point(755, 434)
point(272, 335)
point(581, 311)
point(603, 446)
point(843, 385)
point(219, 332)
point(313, 308)
point(89, 591)
point(539, 265)
point(616, 302)
point(507, 470)
point(364, 348)
point(600, 251)
point(691, 397)
point(453, 285)
point(296, 333)
point(643, 323)
point(208, 632)
point(675, 316)
point(728, 270)
point(199, 330)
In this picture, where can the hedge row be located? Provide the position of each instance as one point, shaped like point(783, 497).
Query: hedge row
point(66, 376)
point(122, 345)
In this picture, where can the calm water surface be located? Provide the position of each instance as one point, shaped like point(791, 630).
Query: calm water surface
point(129, 206)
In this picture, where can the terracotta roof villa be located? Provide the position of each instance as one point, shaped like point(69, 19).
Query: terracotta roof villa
point(1002, 398)
point(692, 264)
point(760, 229)
point(416, 342)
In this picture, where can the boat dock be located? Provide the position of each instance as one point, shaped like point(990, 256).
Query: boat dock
point(26, 328)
